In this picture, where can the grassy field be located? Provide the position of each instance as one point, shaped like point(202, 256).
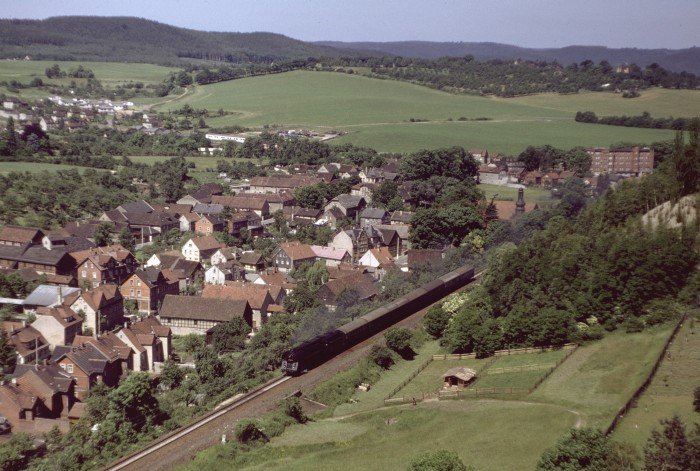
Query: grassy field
point(597, 379)
point(33, 167)
point(109, 74)
point(377, 113)
point(587, 389)
point(671, 391)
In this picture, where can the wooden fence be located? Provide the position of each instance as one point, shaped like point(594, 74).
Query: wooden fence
point(389, 399)
point(511, 351)
point(632, 401)
point(518, 369)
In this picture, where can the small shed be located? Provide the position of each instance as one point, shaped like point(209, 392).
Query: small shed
point(459, 376)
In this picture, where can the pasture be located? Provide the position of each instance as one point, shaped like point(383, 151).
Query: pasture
point(109, 74)
point(670, 392)
point(490, 434)
point(377, 113)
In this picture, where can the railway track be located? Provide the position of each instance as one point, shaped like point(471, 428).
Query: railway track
point(181, 445)
point(210, 418)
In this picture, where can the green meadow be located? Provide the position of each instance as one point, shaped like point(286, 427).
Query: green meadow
point(587, 389)
point(378, 113)
point(109, 73)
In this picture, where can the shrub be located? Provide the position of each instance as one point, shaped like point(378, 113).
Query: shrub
point(248, 430)
point(381, 356)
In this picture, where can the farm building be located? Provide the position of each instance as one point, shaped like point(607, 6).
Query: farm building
point(459, 376)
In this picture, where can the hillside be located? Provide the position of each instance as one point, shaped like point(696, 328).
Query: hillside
point(119, 39)
point(675, 60)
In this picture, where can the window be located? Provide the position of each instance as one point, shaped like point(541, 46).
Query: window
point(131, 282)
point(138, 282)
point(138, 293)
point(84, 274)
point(131, 292)
point(94, 275)
point(69, 368)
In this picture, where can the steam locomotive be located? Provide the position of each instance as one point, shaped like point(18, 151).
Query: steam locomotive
point(323, 347)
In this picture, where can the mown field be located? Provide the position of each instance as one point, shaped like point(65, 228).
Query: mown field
point(378, 113)
point(490, 434)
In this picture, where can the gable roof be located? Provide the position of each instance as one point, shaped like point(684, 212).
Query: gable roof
point(47, 295)
point(19, 234)
point(374, 213)
point(363, 283)
point(135, 207)
point(251, 258)
point(206, 243)
point(207, 208)
point(349, 201)
point(86, 357)
point(66, 316)
point(297, 250)
point(108, 344)
point(383, 256)
point(256, 295)
point(97, 298)
point(242, 202)
point(150, 325)
point(204, 308)
point(330, 253)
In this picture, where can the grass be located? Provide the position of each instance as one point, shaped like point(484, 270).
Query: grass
point(430, 379)
point(532, 194)
point(109, 74)
point(597, 379)
point(670, 392)
point(377, 113)
point(34, 167)
point(587, 389)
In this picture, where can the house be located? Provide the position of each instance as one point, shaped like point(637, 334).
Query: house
point(492, 174)
point(350, 205)
point(252, 262)
point(102, 308)
point(47, 296)
point(111, 347)
point(480, 155)
point(424, 258)
point(259, 206)
point(276, 278)
point(331, 256)
point(373, 217)
point(291, 255)
point(101, 265)
point(395, 236)
point(334, 217)
point(223, 272)
point(147, 289)
point(354, 241)
point(276, 201)
point(173, 265)
point(87, 365)
point(191, 314)
point(37, 391)
point(459, 376)
point(364, 189)
point(200, 249)
point(208, 209)
point(30, 345)
point(361, 283)
point(63, 240)
point(149, 340)
point(244, 220)
point(36, 257)
point(18, 236)
point(58, 325)
point(226, 254)
point(187, 221)
point(258, 297)
point(208, 224)
point(377, 257)
point(401, 217)
point(203, 194)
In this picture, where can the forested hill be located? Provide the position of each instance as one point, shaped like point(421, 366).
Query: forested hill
point(676, 60)
point(129, 39)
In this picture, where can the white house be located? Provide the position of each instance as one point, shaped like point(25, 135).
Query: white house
point(200, 249)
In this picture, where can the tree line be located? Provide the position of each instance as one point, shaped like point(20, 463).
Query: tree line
point(644, 120)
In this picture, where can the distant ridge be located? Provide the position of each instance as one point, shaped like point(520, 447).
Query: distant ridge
point(677, 60)
point(129, 39)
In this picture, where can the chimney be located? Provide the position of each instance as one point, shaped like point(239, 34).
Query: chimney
point(60, 295)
